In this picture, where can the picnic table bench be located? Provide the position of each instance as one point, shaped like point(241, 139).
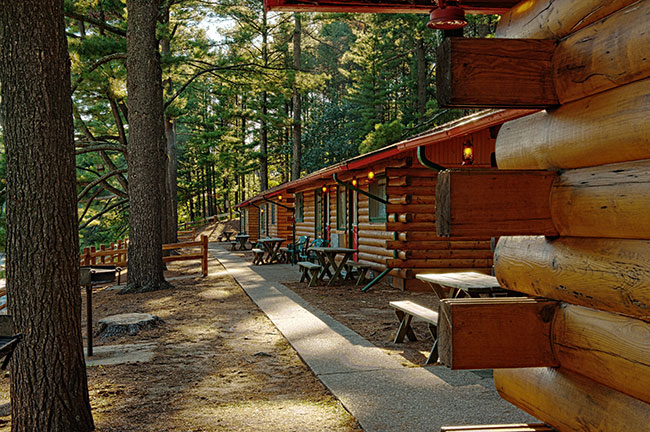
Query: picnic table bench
point(362, 269)
point(8, 341)
point(225, 236)
point(309, 272)
point(327, 258)
point(240, 242)
point(267, 250)
point(470, 284)
point(407, 310)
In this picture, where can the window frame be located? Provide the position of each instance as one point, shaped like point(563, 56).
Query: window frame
point(376, 209)
point(341, 214)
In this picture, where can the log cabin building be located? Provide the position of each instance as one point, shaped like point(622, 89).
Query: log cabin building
point(569, 202)
point(398, 230)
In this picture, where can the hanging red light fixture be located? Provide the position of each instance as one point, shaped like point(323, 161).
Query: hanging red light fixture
point(447, 16)
point(468, 153)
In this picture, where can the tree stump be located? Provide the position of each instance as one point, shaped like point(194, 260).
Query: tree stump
point(130, 323)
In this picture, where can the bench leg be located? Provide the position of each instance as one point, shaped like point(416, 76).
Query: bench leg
point(362, 276)
point(433, 355)
point(404, 327)
point(314, 277)
point(305, 276)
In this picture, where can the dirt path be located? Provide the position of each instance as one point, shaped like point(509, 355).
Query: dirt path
point(218, 365)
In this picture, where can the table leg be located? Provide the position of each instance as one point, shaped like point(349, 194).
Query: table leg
point(323, 262)
point(337, 268)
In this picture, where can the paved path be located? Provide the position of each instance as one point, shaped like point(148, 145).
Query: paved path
point(381, 393)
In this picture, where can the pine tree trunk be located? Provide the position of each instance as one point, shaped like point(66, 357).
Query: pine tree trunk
point(297, 102)
point(49, 390)
point(422, 78)
point(146, 148)
point(264, 138)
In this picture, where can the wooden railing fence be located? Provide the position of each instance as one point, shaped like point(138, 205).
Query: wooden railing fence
point(116, 254)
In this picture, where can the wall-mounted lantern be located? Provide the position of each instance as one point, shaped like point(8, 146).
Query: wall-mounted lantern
point(371, 176)
point(354, 182)
point(324, 189)
point(279, 197)
point(468, 153)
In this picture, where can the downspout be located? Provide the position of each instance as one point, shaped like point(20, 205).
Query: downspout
point(293, 226)
point(422, 157)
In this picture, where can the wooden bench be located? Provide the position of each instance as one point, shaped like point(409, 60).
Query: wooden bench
point(405, 311)
point(363, 269)
point(258, 257)
point(8, 341)
point(519, 427)
point(309, 272)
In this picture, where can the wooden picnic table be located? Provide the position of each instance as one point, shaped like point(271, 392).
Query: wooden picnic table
point(470, 284)
point(271, 247)
point(241, 240)
point(327, 258)
point(225, 236)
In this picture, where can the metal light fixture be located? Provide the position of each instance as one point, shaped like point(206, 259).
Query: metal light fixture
point(279, 197)
point(468, 153)
point(371, 176)
point(354, 182)
point(447, 16)
point(324, 189)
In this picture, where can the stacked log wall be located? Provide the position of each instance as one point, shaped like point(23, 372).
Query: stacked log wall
point(600, 261)
point(253, 226)
point(306, 227)
point(284, 224)
point(411, 194)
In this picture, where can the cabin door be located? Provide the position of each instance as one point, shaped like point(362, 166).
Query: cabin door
point(320, 225)
point(353, 221)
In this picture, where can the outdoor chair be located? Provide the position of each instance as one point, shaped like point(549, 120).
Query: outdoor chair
point(310, 256)
point(299, 246)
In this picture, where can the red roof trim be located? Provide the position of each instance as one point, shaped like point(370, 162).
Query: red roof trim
point(460, 127)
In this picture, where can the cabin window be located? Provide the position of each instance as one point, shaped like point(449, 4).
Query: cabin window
point(300, 207)
point(320, 225)
point(263, 213)
point(246, 229)
point(341, 212)
point(377, 209)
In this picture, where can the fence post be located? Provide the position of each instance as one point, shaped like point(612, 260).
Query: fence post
point(86, 257)
point(204, 251)
point(93, 260)
point(103, 257)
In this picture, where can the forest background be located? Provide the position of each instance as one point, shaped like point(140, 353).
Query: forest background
point(273, 97)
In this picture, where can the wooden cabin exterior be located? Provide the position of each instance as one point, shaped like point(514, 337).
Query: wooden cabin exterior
point(585, 162)
point(401, 234)
point(267, 215)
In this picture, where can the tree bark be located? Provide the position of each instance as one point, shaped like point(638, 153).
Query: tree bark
point(297, 102)
point(49, 390)
point(170, 199)
point(146, 148)
point(422, 78)
point(264, 133)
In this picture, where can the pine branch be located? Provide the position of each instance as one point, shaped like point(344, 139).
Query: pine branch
point(98, 63)
point(98, 23)
point(98, 181)
point(103, 212)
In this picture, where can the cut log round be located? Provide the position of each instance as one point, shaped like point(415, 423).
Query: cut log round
point(125, 324)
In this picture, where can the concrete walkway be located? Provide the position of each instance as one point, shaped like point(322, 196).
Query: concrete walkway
point(381, 393)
